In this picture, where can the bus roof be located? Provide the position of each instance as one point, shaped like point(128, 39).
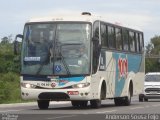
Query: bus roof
point(84, 17)
point(81, 18)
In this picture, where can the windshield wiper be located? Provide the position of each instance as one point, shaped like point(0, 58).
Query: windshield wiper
point(46, 61)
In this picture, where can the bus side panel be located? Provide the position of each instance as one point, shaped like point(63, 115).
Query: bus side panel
point(128, 69)
point(107, 73)
point(118, 69)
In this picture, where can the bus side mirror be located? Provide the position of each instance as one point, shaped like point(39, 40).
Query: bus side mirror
point(17, 44)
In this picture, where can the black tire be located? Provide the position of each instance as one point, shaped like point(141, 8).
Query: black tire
point(118, 101)
point(146, 99)
point(75, 103)
point(95, 103)
point(43, 104)
point(140, 98)
point(79, 103)
point(127, 99)
point(83, 104)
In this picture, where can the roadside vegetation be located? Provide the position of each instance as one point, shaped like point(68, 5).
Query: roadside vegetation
point(152, 60)
point(9, 73)
point(10, 67)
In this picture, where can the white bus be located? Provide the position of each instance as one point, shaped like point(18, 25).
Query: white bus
point(80, 59)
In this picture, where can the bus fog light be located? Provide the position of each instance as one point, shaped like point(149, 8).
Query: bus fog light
point(81, 94)
point(86, 94)
point(23, 93)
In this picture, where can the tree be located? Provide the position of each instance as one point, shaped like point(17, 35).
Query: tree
point(7, 56)
point(156, 43)
point(6, 40)
point(9, 79)
point(152, 50)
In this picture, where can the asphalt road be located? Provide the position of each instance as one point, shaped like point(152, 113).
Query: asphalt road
point(64, 111)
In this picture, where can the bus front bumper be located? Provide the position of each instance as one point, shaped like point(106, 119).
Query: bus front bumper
point(56, 94)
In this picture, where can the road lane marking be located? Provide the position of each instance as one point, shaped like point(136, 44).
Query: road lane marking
point(137, 108)
point(11, 111)
point(107, 111)
point(61, 117)
point(156, 105)
point(147, 106)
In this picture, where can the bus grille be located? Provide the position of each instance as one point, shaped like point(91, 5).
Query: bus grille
point(53, 96)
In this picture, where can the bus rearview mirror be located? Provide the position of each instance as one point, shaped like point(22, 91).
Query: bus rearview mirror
point(17, 44)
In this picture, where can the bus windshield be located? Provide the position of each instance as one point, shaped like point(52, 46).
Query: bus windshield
point(56, 49)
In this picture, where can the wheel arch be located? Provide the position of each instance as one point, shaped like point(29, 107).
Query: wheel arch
point(102, 86)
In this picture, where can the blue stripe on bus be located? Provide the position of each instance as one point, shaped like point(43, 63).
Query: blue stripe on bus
point(70, 79)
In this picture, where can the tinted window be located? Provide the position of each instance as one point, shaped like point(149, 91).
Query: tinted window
point(111, 37)
point(118, 38)
point(132, 41)
point(137, 42)
point(104, 41)
point(125, 40)
point(141, 42)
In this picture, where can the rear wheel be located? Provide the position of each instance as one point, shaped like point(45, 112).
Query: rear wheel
point(127, 100)
point(43, 104)
point(124, 100)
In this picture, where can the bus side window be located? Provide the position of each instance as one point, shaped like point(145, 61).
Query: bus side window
point(141, 42)
point(125, 40)
point(137, 43)
point(118, 38)
point(132, 41)
point(111, 37)
point(104, 40)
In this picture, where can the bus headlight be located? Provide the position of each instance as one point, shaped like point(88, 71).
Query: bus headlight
point(27, 85)
point(81, 85)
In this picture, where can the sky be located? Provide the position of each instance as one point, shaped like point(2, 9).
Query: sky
point(143, 14)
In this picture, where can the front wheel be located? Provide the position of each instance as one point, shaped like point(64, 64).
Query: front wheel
point(95, 103)
point(43, 104)
point(118, 101)
point(140, 98)
point(79, 103)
